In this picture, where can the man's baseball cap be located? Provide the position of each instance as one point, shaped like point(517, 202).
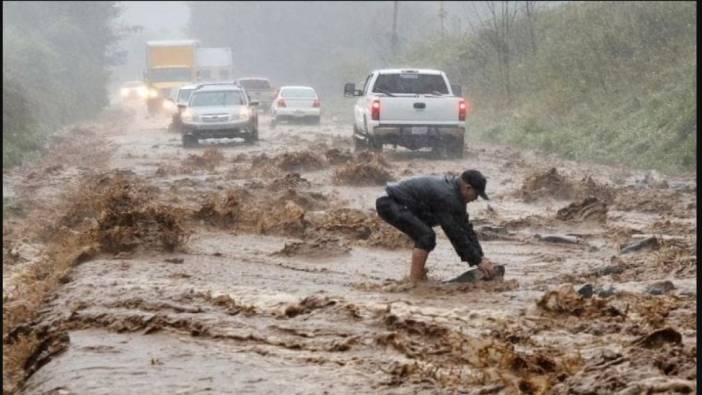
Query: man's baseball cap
point(477, 181)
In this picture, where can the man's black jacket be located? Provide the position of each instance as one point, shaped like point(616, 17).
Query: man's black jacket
point(436, 200)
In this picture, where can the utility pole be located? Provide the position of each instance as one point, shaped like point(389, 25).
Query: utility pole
point(393, 38)
point(442, 15)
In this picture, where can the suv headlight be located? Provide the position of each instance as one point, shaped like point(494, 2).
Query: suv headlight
point(187, 116)
point(242, 115)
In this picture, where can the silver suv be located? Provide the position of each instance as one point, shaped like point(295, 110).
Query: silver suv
point(219, 111)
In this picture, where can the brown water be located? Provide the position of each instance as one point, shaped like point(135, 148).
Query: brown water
point(236, 311)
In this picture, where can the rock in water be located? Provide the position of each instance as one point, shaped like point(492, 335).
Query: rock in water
point(474, 275)
point(586, 291)
point(660, 288)
point(648, 243)
point(557, 239)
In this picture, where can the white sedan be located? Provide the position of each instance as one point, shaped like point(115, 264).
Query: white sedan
point(295, 103)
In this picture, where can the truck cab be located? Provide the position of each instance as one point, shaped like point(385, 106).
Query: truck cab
point(411, 108)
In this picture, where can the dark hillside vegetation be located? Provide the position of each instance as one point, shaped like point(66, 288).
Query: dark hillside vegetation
point(612, 82)
point(56, 59)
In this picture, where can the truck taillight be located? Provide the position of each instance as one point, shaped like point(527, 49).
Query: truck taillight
point(375, 110)
point(281, 103)
point(316, 103)
point(462, 110)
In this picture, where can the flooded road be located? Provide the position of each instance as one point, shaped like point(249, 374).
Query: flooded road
point(236, 268)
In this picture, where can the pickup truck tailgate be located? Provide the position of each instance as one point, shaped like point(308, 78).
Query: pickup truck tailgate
point(417, 110)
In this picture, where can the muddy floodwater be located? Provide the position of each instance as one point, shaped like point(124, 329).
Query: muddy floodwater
point(263, 268)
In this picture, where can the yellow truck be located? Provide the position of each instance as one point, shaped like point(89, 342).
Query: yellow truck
point(169, 65)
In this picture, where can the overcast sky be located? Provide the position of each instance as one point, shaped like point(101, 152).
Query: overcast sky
point(156, 15)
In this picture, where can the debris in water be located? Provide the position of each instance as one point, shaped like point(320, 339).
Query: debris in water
point(552, 184)
point(557, 239)
point(648, 243)
point(660, 287)
point(365, 173)
point(590, 209)
point(319, 248)
point(658, 338)
point(337, 156)
point(586, 291)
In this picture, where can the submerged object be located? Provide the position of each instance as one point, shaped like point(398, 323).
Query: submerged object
point(474, 275)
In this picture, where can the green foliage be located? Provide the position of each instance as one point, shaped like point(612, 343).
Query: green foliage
point(613, 82)
point(20, 131)
point(56, 59)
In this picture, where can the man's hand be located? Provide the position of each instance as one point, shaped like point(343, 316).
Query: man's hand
point(487, 268)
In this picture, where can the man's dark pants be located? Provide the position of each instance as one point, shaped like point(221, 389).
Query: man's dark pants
point(407, 222)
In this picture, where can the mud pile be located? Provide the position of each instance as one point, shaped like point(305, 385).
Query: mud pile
point(119, 213)
point(323, 247)
point(656, 360)
point(453, 360)
point(209, 160)
point(648, 201)
point(365, 169)
point(281, 212)
point(361, 226)
point(289, 181)
point(347, 222)
point(590, 209)
point(128, 220)
point(299, 161)
point(674, 257)
point(552, 184)
point(290, 162)
point(222, 212)
point(385, 236)
point(336, 156)
point(564, 300)
point(362, 174)
point(292, 219)
point(288, 219)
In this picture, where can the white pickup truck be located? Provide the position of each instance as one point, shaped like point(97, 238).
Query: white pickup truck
point(410, 108)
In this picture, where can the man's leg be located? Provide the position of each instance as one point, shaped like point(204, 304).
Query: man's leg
point(404, 220)
point(419, 259)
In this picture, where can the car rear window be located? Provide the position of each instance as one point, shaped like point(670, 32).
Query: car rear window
point(411, 83)
point(217, 98)
point(255, 84)
point(302, 93)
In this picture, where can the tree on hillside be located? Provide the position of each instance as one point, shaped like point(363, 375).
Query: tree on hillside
point(60, 53)
point(494, 35)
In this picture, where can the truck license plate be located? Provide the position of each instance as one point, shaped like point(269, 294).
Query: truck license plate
point(419, 130)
